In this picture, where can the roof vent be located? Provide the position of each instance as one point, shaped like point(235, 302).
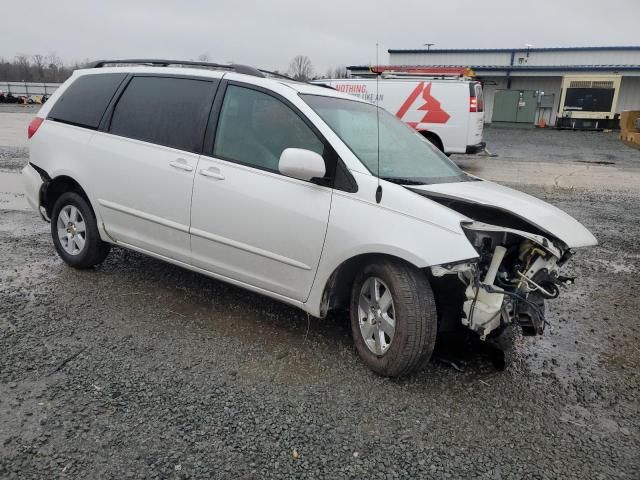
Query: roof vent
point(602, 84)
point(591, 84)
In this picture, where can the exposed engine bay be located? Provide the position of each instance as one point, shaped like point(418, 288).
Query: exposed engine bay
point(515, 272)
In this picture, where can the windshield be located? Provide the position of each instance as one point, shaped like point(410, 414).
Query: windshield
point(405, 156)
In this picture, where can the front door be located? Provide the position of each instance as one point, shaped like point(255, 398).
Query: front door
point(249, 222)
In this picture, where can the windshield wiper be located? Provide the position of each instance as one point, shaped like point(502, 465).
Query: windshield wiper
point(403, 181)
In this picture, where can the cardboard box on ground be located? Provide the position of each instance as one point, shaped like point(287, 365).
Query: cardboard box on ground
point(630, 128)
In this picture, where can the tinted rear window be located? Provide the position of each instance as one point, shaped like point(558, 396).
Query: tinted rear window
point(84, 102)
point(164, 110)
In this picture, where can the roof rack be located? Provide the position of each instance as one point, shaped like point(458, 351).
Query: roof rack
point(238, 68)
point(392, 71)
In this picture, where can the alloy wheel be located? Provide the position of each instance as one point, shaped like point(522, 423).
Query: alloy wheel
point(71, 230)
point(376, 315)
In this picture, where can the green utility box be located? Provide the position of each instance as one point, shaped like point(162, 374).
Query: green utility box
point(516, 106)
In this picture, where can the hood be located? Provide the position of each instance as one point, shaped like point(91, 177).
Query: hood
point(525, 208)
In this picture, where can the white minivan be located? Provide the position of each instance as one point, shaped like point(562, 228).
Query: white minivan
point(449, 112)
point(296, 191)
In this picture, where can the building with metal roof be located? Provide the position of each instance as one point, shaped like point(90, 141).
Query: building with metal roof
point(580, 87)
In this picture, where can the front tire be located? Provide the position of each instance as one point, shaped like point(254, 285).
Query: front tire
point(75, 232)
point(393, 318)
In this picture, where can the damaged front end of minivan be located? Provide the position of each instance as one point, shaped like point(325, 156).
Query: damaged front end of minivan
point(508, 283)
point(518, 264)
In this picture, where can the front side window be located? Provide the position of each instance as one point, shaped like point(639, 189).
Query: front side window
point(164, 110)
point(254, 128)
point(404, 155)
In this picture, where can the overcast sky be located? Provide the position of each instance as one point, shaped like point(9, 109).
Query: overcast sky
point(269, 33)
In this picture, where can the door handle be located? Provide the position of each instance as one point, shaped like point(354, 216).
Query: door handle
point(212, 172)
point(182, 164)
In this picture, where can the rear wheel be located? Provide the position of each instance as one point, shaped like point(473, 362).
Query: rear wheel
point(393, 318)
point(75, 232)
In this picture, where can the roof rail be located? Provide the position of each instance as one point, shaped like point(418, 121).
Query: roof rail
point(244, 69)
point(280, 75)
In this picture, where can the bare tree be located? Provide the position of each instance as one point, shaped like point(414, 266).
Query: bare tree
point(338, 72)
point(54, 60)
point(5, 69)
point(301, 68)
point(39, 64)
point(23, 68)
point(54, 68)
point(36, 67)
point(203, 57)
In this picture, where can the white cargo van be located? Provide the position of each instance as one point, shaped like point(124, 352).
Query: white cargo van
point(447, 111)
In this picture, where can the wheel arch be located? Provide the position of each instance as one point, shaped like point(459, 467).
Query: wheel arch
point(337, 289)
point(434, 138)
point(448, 291)
point(55, 187)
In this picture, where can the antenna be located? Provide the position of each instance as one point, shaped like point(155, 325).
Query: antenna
point(379, 189)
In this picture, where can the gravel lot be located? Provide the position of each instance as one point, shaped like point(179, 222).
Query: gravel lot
point(139, 369)
point(582, 147)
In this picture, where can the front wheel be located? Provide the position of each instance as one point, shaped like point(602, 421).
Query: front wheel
point(75, 232)
point(393, 318)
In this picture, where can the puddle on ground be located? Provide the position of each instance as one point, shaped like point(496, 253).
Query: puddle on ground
point(27, 275)
point(295, 344)
point(286, 345)
point(12, 192)
point(616, 267)
point(601, 162)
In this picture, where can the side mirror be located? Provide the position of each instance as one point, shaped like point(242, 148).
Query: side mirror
point(301, 164)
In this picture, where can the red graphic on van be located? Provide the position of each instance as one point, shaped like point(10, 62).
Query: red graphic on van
point(433, 111)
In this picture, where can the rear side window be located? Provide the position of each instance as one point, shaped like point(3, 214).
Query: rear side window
point(167, 111)
point(84, 102)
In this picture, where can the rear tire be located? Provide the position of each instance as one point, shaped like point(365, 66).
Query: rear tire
point(74, 230)
point(393, 337)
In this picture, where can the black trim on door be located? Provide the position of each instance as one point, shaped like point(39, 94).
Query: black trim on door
point(337, 176)
point(214, 115)
point(105, 122)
